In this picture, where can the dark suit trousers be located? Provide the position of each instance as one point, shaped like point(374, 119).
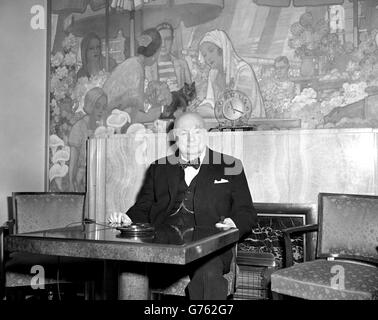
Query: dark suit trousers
point(207, 281)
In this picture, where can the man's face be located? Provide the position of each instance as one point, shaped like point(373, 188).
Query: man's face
point(166, 42)
point(190, 136)
point(281, 70)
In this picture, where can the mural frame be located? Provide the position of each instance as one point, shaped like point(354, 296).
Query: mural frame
point(316, 106)
point(47, 97)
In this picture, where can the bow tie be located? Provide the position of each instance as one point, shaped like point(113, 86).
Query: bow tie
point(194, 163)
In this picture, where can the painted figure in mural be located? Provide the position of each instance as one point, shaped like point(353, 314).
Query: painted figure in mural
point(281, 69)
point(168, 68)
point(95, 103)
point(195, 198)
point(278, 90)
point(91, 57)
point(126, 85)
point(228, 71)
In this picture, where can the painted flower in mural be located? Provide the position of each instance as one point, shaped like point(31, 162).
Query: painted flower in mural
point(62, 116)
point(58, 171)
point(338, 109)
point(70, 59)
point(57, 59)
point(307, 35)
point(70, 43)
point(59, 155)
point(118, 119)
point(62, 77)
point(55, 142)
point(104, 132)
point(61, 72)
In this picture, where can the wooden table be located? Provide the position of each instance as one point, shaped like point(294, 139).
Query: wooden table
point(130, 255)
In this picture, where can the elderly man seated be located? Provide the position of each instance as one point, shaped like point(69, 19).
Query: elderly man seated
point(196, 186)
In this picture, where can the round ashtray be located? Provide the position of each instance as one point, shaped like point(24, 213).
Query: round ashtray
point(137, 230)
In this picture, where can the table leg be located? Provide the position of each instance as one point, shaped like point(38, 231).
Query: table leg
point(110, 280)
point(133, 282)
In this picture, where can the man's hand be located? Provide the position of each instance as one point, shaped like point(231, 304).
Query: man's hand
point(226, 224)
point(119, 218)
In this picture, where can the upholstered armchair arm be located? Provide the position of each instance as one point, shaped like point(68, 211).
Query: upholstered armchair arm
point(3, 231)
point(287, 238)
point(10, 226)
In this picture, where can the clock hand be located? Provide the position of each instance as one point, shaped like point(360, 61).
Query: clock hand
point(232, 107)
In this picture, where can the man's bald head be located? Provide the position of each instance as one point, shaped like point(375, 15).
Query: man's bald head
point(189, 120)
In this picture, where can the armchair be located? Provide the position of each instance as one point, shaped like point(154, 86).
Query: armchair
point(346, 264)
point(35, 211)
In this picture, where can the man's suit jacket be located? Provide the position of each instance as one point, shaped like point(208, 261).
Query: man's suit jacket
point(221, 190)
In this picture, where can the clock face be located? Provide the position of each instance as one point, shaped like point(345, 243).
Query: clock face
point(234, 108)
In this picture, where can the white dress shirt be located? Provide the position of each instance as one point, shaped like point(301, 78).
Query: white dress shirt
point(190, 172)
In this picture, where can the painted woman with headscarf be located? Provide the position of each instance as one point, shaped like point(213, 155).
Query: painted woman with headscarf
point(95, 103)
point(91, 57)
point(227, 71)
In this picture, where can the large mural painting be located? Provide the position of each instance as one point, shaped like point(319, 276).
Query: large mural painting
point(301, 64)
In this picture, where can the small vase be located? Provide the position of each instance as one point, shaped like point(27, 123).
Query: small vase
point(308, 66)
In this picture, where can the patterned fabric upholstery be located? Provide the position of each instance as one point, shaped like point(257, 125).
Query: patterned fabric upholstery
point(350, 225)
point(312, 280)
point(43, 211)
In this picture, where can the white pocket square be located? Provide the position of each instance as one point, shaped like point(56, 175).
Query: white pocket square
point(221, 181)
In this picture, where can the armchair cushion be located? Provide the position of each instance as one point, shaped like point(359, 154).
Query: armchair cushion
point(312, 280)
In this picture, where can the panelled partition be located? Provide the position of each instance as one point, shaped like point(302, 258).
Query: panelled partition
point(283, 166)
